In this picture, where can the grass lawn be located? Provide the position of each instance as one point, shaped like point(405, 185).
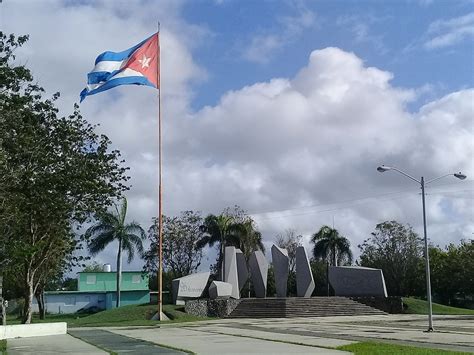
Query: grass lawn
point(416, 306)
point(3, 345)
point(370, 348)
point(123, 316)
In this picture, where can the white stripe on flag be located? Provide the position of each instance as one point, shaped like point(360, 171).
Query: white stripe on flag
point(107, 66)
point(122, 74)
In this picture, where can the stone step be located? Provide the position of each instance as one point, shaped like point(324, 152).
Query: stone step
point(300, 307)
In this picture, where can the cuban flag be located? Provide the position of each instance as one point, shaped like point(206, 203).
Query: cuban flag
point(135, 66)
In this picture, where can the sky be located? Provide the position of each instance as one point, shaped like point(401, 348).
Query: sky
point(285, 108)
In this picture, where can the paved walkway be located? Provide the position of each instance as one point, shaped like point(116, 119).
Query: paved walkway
point(259, 336)
point(51, 345)
point(205, 341)
point(452, 333)
point(122, 344)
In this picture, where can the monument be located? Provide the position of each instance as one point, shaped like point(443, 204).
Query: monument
point(242, 271)
point(230, 271)
point(258, 272)
point(357, 281)
point(304, 277)
point(280, 267)
point(219, 289)
point(189, 287)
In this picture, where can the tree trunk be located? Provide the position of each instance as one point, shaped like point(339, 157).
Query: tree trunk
point(119, 272)
point(29, 293)
point(40, 299)
point(334, 259)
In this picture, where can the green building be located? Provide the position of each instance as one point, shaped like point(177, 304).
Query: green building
point(98, 291)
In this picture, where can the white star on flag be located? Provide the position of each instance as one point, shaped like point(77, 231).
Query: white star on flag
point(145, 62)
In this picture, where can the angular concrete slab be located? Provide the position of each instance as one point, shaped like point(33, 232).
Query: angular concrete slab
point(230, 271)
point(219, 289)
point(189, 287)
point(357, 281)
point(259, 272)
point(280, 267)
point(242, 270)
point(304, 277)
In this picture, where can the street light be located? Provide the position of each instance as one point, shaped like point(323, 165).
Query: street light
point(422, 183)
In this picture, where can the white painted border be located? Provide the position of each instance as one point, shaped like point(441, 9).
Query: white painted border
point(32, 330)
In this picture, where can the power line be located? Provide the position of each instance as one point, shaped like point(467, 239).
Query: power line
point(346, 203)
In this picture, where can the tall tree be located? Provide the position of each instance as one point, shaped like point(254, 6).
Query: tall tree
point(331, 246)
point(112, 227)
point(55, 172)
point(181, 253)
point(246, 237)
point(452, 272)
point(397, 250)
point(289, 241)
point(217, 230)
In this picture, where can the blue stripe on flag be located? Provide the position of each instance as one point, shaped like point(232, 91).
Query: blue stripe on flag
point(118, 56)
point(96, 77)
point(136, 80)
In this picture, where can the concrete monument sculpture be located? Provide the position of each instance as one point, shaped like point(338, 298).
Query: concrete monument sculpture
point(357, 281)
point(258, 272)
point(189, 287)
point(280, 267)
point(242, 271)
point(230, 271)
point(304, 277)
point(219, 289)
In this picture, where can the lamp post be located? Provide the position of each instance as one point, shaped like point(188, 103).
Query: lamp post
point(423, 183)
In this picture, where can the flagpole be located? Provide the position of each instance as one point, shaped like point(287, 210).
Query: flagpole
point(160, 190)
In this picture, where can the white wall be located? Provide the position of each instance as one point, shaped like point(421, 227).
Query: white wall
point(32, 330)
point(71, 302)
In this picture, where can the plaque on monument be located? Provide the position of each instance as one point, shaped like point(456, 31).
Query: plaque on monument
point(189, 287)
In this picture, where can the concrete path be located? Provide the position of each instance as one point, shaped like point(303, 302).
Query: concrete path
point(51, 345)
point(205, 341)
point(255, 335)
point(122, 344)
point(452, 332)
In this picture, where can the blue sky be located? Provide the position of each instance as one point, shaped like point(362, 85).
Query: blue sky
point(391, 35)
point(284, 108)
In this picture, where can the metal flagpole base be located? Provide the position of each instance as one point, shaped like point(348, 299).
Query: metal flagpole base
point(429, 330)
point(163, 317)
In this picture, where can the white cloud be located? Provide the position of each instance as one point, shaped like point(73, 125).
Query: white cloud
point(445, 33)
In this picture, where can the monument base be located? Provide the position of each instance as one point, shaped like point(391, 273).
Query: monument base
point(205, 307)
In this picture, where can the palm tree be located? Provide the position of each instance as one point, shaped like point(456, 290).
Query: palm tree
point(246, 237)
point(330, 245)
point(216, 230)
point(111, 227)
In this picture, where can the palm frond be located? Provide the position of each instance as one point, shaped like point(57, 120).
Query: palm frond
point(123, 211)
point(99, 243)
point(135, 228)
point(128, 247)
point(135, 241)
point(97, 229)
point(321, 249)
